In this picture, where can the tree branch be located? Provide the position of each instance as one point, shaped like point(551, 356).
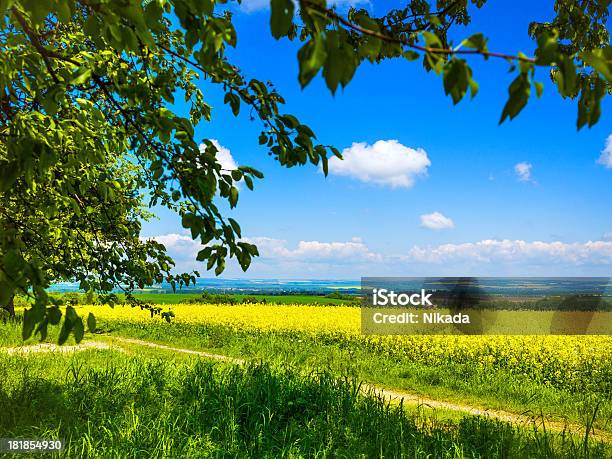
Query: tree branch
point(35, 40)
point(331, 14)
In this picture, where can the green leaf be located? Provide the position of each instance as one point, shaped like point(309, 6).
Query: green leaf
point(233, 196)
point(311, 58)
point(236, 175)
point(601, 61)
point(220, 267)
point(235, 226)
point(589, 104)
point(547, 51)
point(457, 78)
point(290, 121)
point(476, 41)
point(325, 165)
point(81, 76)
point(566, 76)
point(250, 170)
point(189, 220)
point(539, 87)
point(281, 17)
point(334, 66)
point(204, 254)
point(519, 92)
point(432, 40)
point(234, 102)
point(211, 261)
point(410, 55)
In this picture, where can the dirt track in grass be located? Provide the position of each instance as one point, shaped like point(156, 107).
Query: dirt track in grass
point(393, 396)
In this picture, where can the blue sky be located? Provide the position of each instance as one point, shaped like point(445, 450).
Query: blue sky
point(457, 194)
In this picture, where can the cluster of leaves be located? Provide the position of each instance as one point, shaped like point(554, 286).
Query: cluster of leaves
point(89, 139)
point(575, 46)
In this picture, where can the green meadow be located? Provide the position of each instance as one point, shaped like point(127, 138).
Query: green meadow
point(297, 394)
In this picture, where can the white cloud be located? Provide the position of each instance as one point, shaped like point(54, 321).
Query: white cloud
point(353, 258)
point(387, 162)
point(250, 6)
point(184, 250)
point(516, 251)
point(436, 221)
point(523, 171)
point(179, 245)
point(606, 154)
point(315, 251)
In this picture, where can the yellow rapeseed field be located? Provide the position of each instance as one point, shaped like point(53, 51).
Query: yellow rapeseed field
point(264, 317)
point(566, 361)
point(571, 362)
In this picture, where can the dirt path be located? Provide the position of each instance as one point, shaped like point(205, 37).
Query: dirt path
point(220, 357)
point(393, 396)
point(506, 416)
point(47, 347)
point(406, 397)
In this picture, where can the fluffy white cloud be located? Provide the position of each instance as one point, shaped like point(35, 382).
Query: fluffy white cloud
point(436, 221)
point(606, 154)
point(185, 249)
point(315, 251)
point(516, 251)
point(251, 6)
point(523, 171)
point(387, 162)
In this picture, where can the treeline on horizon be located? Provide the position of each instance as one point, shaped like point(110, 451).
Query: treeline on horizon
point(212, 297)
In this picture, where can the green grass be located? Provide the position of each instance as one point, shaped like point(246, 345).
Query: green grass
point(107, 404)
point(298, 399)
point(499, 389)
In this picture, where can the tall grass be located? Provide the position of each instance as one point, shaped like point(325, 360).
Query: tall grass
point(108, 405)
point(464, 381)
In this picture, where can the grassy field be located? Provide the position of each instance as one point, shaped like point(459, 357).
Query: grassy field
point(174, 298)
point(298, 396)
point(560, 376)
